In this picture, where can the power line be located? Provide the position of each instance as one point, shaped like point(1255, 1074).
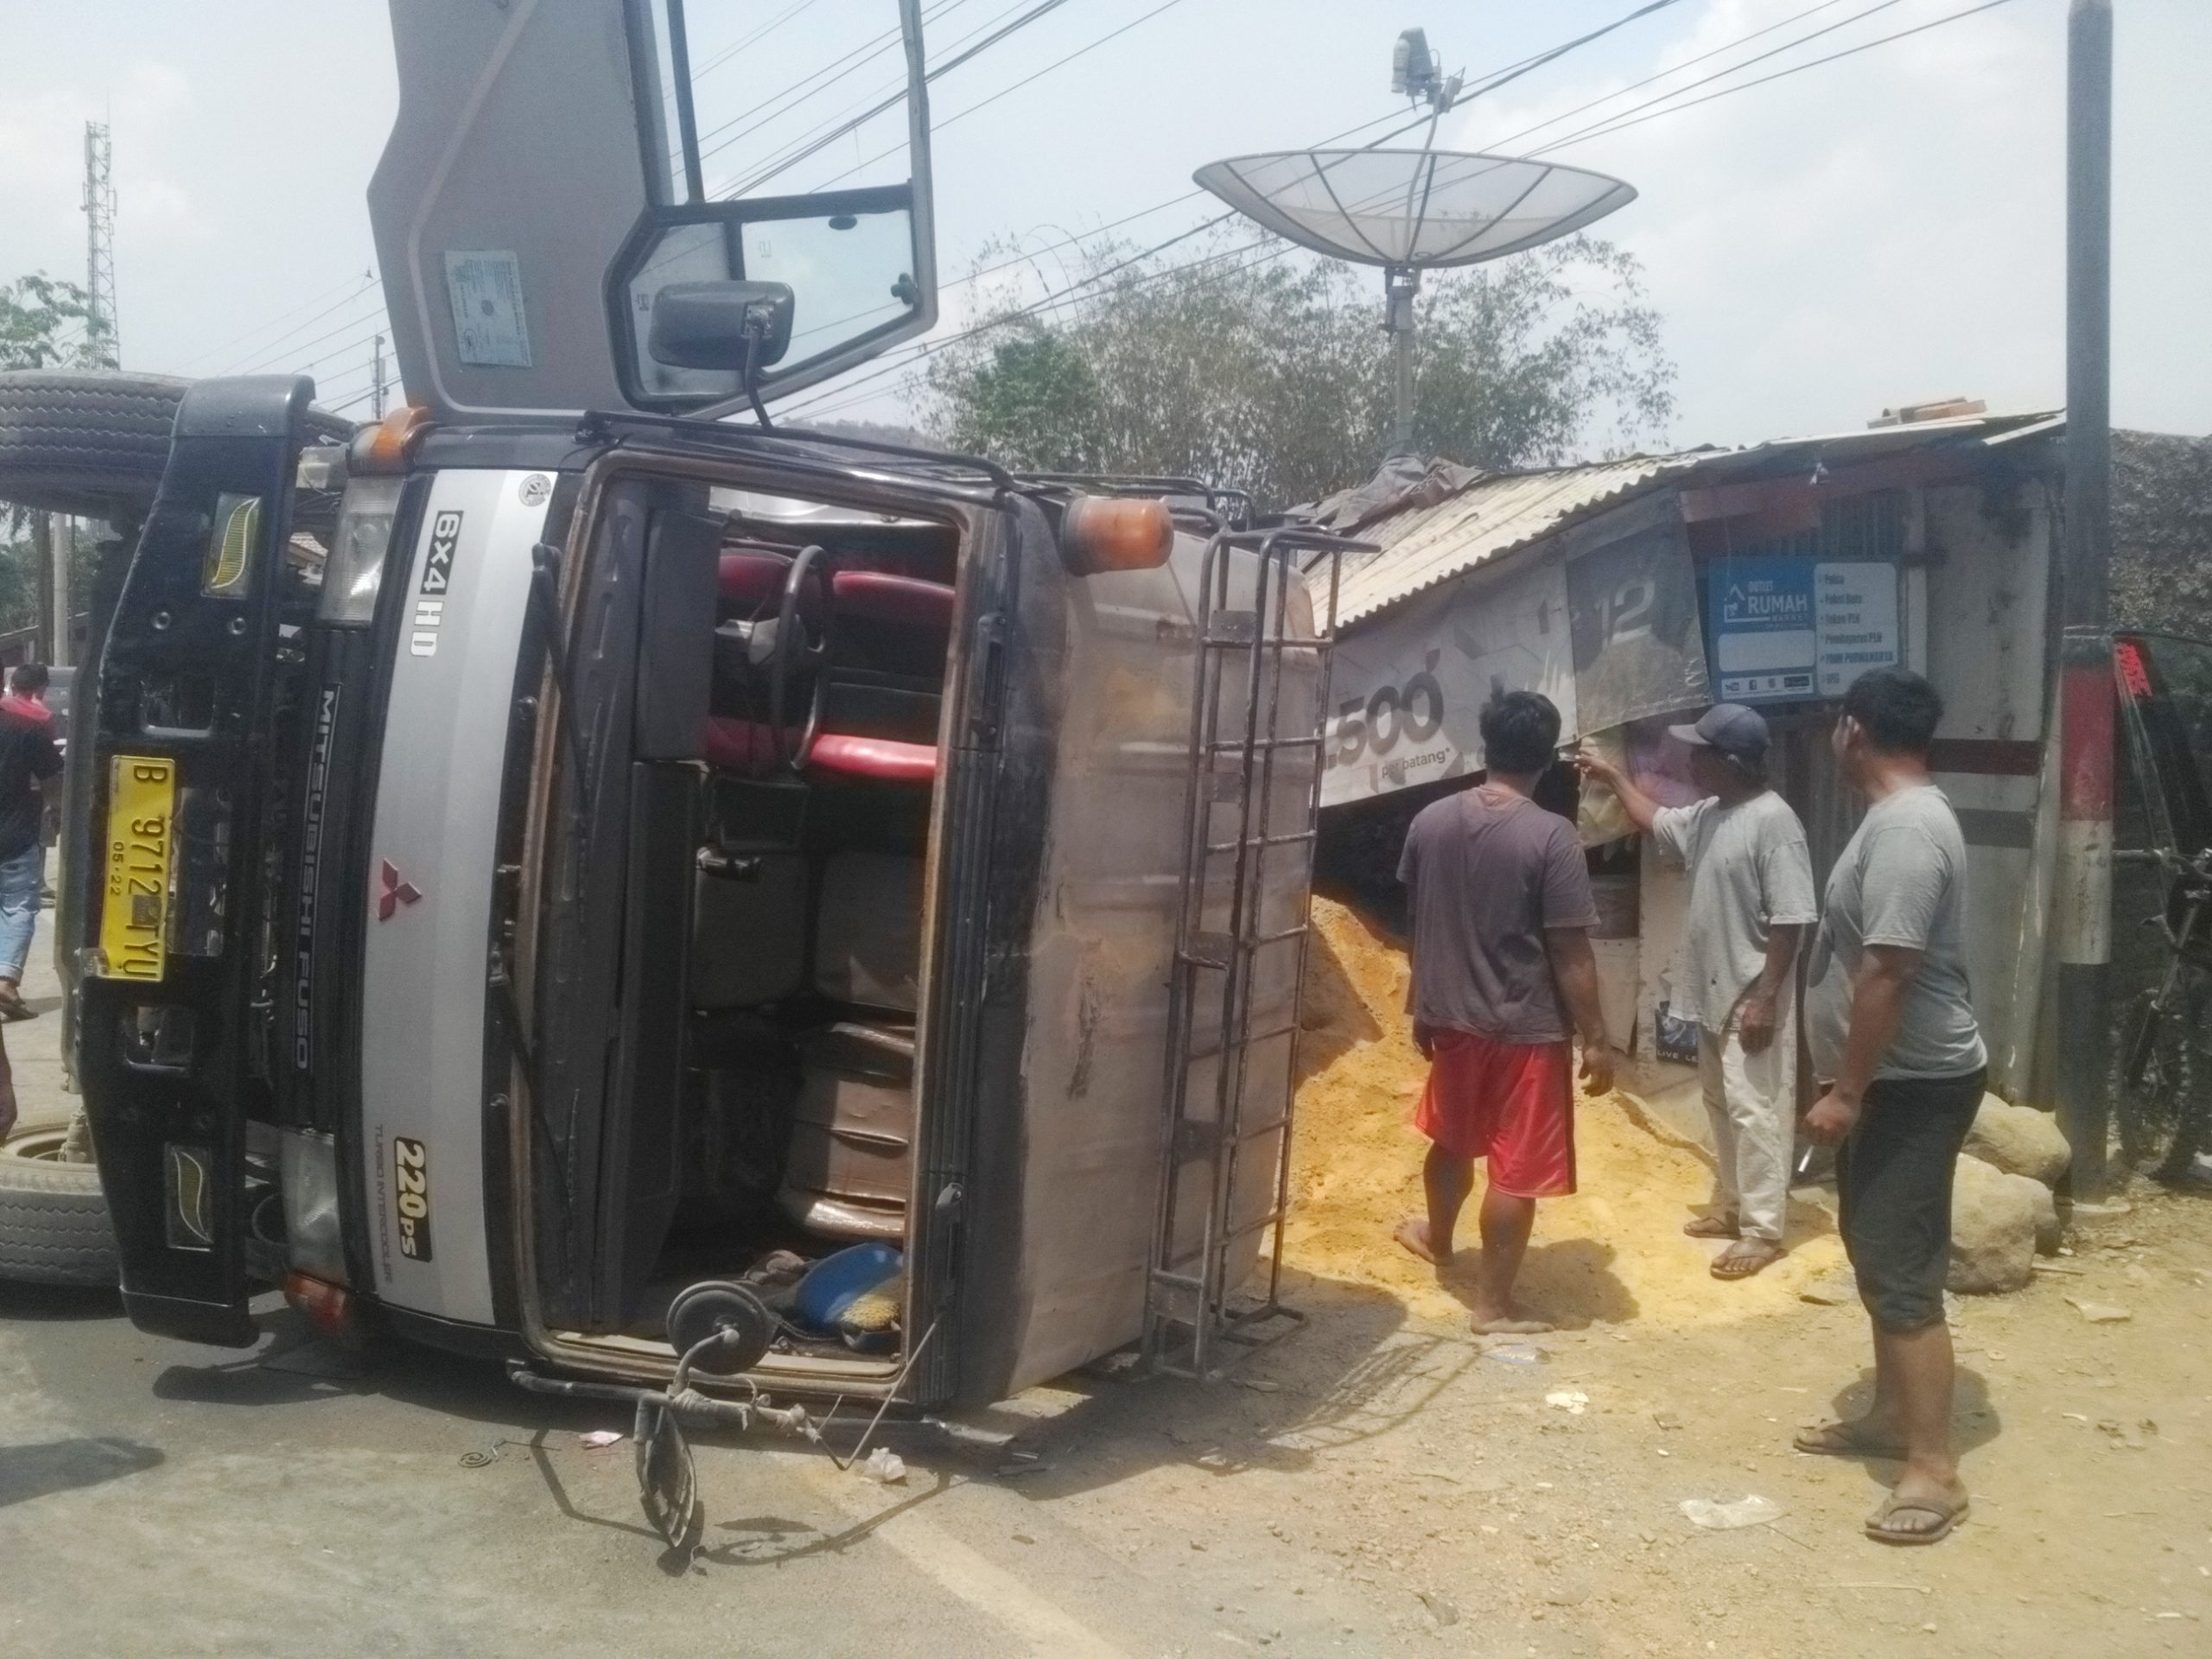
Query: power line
point(255, 359)
point(926, 349)
point(865, 51)
point(1044, 8)
point(260, 328)
point(1675, 69)
point(759, 34)
point(1527, 65)
point(1618, 122)
point(936, 127)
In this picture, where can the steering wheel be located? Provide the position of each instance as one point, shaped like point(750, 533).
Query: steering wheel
point(796, 648)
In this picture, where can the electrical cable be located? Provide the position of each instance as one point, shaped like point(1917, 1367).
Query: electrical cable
point(936, 127)
point(1702, 80)
point(1612, 125)
point(928, 348)
point(1675, 69)
point(358, 285)
point(805, 87)
point(270, 351)
point(720, 58)
point(1043, 9)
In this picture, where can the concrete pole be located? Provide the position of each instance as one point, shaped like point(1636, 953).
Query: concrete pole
point(42, 540)
point(2083, 924)
point(65, 544)
point(1399, 284)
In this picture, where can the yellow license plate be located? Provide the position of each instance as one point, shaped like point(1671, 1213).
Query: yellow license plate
point(141, 835)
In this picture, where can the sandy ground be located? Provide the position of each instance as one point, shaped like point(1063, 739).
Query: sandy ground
point(1380, 1482)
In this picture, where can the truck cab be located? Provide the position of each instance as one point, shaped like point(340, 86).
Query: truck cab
point(578, 862)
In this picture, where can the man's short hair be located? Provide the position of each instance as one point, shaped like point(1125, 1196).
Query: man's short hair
point(1520, 731)
point(1896, 708)
point(26, 678)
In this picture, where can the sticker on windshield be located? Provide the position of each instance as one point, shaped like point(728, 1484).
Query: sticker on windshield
point(410, 1184)
point(489, 329)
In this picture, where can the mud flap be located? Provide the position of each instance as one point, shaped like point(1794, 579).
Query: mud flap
point(668, 1482)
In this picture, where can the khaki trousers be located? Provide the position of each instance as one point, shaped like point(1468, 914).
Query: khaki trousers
point(1753, 1101)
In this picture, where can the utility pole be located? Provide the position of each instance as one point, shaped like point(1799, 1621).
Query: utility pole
point(63, 533)
point(2085, 702)
point(103, 339)
point(43, 542)
point(376, 382)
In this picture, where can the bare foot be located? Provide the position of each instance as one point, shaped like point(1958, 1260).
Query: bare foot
point(1516, 1321)
point(1412, 1233)
point(1710, 1227)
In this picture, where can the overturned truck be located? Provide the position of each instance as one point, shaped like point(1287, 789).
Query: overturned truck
point(670, 901)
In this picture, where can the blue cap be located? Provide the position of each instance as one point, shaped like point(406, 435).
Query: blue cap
point(1728, 726)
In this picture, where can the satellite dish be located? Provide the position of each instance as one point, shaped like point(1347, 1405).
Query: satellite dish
point(1420, 207)
point(1412, 210)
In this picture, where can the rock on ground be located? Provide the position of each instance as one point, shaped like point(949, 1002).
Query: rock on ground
point(2019, 1139)
point(1995, 1217)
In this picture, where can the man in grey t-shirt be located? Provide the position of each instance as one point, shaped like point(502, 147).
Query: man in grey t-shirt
point(1751, 901)
point(1893, 1031)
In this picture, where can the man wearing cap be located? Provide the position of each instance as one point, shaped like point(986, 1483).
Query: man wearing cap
point(1751, 900)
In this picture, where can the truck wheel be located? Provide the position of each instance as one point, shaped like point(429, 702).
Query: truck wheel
point(86, 442)
point(53, 1224)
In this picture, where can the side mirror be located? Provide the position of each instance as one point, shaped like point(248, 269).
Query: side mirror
point(743, 325)
point(851, 269)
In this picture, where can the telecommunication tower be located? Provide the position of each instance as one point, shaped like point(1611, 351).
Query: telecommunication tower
point(102, 338)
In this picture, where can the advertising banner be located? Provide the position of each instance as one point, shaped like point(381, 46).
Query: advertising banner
point(1404, 690)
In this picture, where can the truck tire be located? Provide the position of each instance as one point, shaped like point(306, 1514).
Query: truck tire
point(53, 1224)
point(86, 442)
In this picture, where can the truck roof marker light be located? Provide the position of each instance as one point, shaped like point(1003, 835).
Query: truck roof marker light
point(1100, 533)
point(386, 446)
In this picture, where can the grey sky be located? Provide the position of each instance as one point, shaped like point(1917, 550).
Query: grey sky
point(1881, 229)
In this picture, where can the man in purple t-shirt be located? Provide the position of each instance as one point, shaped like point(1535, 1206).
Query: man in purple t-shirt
point(1501, 908)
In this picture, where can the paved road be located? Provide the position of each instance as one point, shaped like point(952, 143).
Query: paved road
point(157, 1497)
point(161, 1498)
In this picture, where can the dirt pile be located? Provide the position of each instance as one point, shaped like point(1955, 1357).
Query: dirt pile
point(1613, 1253)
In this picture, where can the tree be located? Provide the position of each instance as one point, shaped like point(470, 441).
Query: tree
point(36, 315)
point(1274, 376)
point(36, 312)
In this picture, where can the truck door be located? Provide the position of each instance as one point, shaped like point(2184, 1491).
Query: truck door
point(557, 164)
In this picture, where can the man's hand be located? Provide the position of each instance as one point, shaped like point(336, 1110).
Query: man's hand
point(1597, 1069)
point(1592, 764)
point(1755, 1023)
point(1425, 1041)
point(1831, 1118)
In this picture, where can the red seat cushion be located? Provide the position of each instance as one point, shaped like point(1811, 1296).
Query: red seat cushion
point(880, 596)
point(753, 578)
point(749, 747)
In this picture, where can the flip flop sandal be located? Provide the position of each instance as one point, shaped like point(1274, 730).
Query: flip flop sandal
point(1739, 1263)
point(1838, 1440)
point(1712, 1227)
point(14, 1008)
point(1947, 1516)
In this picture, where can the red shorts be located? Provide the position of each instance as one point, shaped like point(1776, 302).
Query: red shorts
point(1511, 1102)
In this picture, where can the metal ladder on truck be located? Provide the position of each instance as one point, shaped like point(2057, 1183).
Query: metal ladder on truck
point(1265, 623)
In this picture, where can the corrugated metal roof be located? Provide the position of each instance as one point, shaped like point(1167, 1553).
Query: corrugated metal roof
point(1492, 516)
point(1429, 545)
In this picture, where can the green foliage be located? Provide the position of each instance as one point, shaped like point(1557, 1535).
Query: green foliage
point(36, 312)
point(1275, 377)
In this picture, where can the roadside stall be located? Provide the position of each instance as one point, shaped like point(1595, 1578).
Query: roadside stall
point(1631, 591)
